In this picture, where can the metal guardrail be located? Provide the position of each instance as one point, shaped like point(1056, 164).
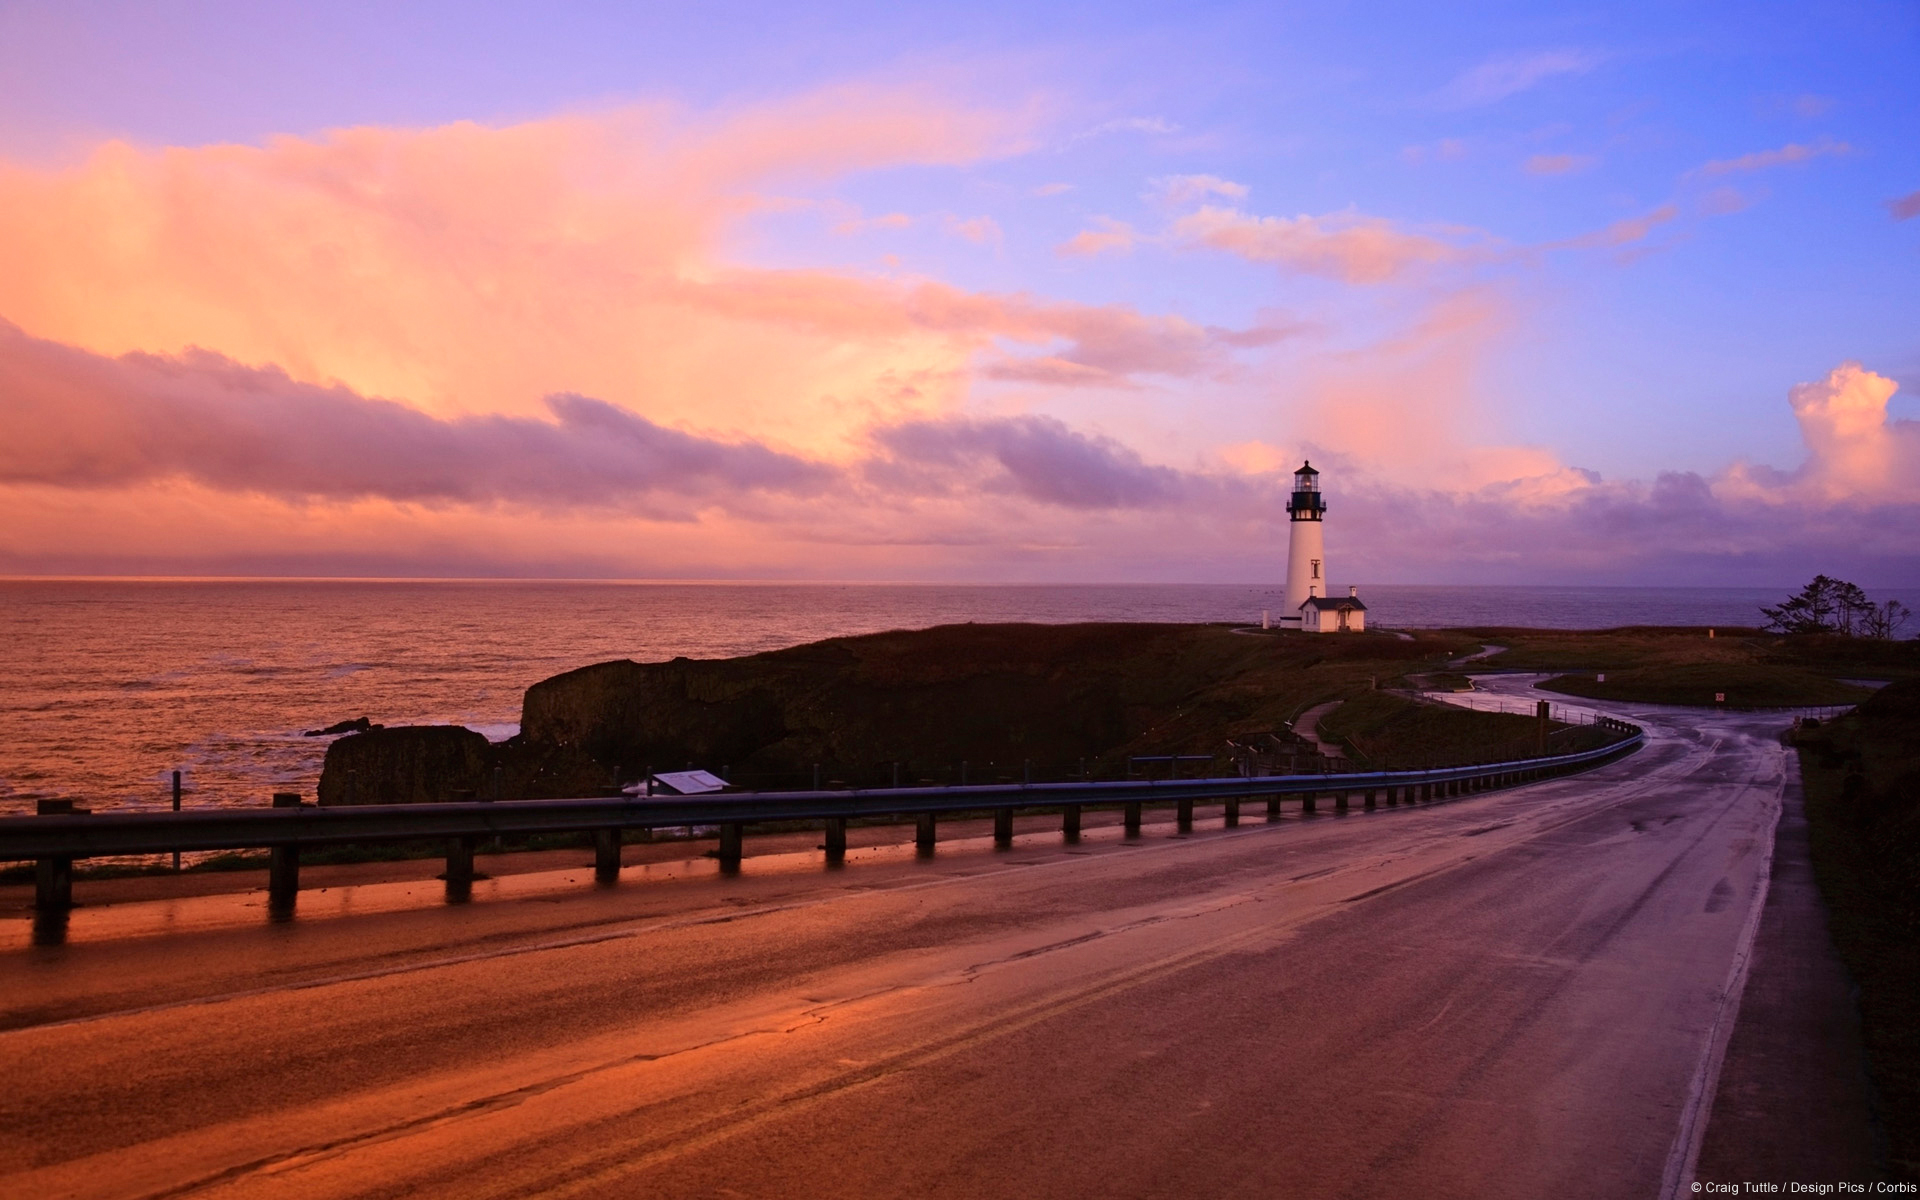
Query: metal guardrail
point(54, 841)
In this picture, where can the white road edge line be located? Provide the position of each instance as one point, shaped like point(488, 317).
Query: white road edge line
point(1684, 1157)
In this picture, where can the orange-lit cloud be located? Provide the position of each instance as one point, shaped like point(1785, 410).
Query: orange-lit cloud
point(1855, 453)
point(470, 269)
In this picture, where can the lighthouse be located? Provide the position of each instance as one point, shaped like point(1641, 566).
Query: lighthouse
point(1306, 544)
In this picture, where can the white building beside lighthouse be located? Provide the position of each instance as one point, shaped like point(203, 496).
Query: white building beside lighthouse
point(1309, 607)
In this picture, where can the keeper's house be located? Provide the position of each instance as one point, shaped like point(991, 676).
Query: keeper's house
point(1325, 614)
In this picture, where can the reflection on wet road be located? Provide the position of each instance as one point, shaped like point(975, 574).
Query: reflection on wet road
point(1505, 995)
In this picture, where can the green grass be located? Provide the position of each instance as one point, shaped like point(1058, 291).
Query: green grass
point(1387, 731)
point(1744, 684)
point(1620, 650)
point(1862, 779)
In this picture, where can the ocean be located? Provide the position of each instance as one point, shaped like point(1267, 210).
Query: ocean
point(108, 687)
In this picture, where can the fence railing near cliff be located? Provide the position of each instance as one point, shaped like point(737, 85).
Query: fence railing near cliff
point(54, 841)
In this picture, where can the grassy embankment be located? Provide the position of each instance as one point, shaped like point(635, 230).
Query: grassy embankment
point(1685, 666)
point(1385, 731)
point(1862, 777)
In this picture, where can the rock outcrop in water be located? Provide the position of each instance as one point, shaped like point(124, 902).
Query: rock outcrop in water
point(356, 725)
point(416, 764)
point(995, 696)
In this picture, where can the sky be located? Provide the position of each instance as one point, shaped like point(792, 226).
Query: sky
point(1612, 294)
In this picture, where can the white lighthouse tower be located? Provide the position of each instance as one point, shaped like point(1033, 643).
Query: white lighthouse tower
point(1306, 544)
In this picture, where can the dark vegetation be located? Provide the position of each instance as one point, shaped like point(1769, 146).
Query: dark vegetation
point(1862, 775)
point(1687, 666)
point(1745, 685)
point(999, 698)
point(1836, 606)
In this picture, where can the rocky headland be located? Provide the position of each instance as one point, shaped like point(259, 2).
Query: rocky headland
point(998, 697)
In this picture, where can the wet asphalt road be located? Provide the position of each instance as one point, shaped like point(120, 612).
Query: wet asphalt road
point(1509, 994)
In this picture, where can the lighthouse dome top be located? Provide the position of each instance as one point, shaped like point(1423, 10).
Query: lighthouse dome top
point(1306, 468)
point(1306, 479)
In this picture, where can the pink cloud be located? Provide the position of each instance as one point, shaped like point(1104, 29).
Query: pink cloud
point(79, 420)
point(1179, 191)
point(1107, 236)
point(1559, 164)
point(981, 231)
point(1623, 232)
point(1499, 78)
point(1351, 248)
point(1906, 207)
point(855, 225)
point(1791, 154)
point(1444, 150)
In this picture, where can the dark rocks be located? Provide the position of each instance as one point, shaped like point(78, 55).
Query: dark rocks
point(411, 764)
point(357, 725)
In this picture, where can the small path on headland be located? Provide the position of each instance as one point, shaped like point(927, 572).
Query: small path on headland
point(1307, 725)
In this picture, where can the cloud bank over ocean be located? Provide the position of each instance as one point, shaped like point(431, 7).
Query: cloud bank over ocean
point(199, 428)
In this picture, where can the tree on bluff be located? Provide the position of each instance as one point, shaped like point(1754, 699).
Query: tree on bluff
point(1836, 606)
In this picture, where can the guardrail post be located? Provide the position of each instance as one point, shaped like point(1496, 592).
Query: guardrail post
point(1370, 800)
point(1306, 803)
point(1340, 802)
point(1183, 814)
point(730, 850)
point(836, 846)
point(53, 885)
point(1070, 822)
point(1132, 818)
point(923, 834)
point(1233, 813)
point(1003, 827)
point(459, 870)
point(283, 867)
point(53, 877)
point(606, 856)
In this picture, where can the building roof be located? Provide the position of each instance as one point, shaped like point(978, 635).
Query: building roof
point(1333, 602)
point(680, 783)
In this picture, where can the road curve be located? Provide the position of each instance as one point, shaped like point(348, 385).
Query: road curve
point(1516, 994)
